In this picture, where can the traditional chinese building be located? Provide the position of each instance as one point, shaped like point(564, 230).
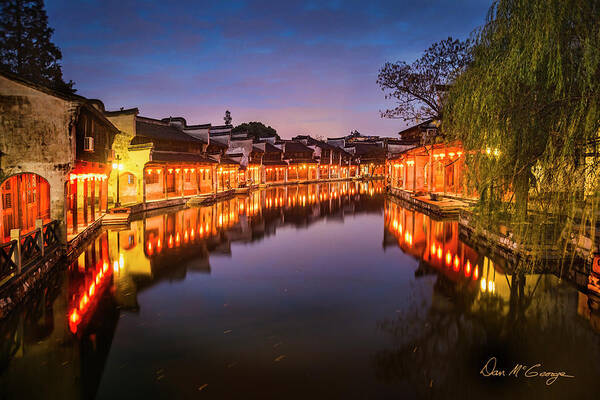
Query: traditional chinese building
point(157, 163)
point(55, 158)
point(242, 150)
point(301, 164)
point(370, 158)
point(274, 167)
point(328, 156)
point(437, 168)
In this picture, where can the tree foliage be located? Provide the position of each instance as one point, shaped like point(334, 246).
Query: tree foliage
point(527, 107)
point(257, 130)
point(26, 48)
point(419, 88)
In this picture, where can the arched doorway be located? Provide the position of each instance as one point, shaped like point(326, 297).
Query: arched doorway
point(25, 198)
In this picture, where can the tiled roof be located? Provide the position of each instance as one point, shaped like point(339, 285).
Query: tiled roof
point(168, 156)
point(362, 149)
point(269, 148)
point(148, 128)
point(294, 147)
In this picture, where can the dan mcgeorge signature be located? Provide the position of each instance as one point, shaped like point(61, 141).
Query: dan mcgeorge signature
point(522, 371)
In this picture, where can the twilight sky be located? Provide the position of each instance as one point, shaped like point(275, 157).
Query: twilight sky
point(299, 66)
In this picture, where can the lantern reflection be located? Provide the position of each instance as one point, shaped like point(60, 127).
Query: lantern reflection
point(434, 241)
point(90, 276)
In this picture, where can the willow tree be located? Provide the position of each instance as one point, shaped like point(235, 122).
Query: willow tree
point(527, 108)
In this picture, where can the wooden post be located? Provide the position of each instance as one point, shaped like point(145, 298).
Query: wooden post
point(85, 201)
point(214, 179)
point(39, 225)
point(93, 199)
point(74, 211)
point(164, 175)
point(182, 182)
point(15, 234)
point(444, 175)
point(430, 171)
point(414, 173)
point(197, 172)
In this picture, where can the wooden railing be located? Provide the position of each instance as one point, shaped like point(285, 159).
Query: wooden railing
point(23, 251)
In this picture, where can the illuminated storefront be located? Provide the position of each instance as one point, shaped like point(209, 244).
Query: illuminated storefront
point(25, 198)
point(86, 194)
point(435, 169)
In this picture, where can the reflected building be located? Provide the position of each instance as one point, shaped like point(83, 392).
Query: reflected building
point(479, 306)
point(165, 245)
point(63, 334)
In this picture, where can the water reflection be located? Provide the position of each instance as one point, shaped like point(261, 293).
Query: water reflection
point(479, 309)
point(166, 245)
point(288, 288)
point(435, 243)
point(44, 352)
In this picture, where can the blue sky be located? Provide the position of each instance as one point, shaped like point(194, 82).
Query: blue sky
point(300, 66)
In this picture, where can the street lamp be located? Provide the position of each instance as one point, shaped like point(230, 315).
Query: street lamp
point(119, 167)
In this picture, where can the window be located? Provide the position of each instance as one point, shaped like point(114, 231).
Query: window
point(188, 176)
point(130, 179)
point(151, 178)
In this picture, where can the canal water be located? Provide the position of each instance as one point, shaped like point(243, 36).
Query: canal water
point(309, 291)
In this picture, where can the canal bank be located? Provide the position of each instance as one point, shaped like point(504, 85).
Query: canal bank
point(167, 305)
